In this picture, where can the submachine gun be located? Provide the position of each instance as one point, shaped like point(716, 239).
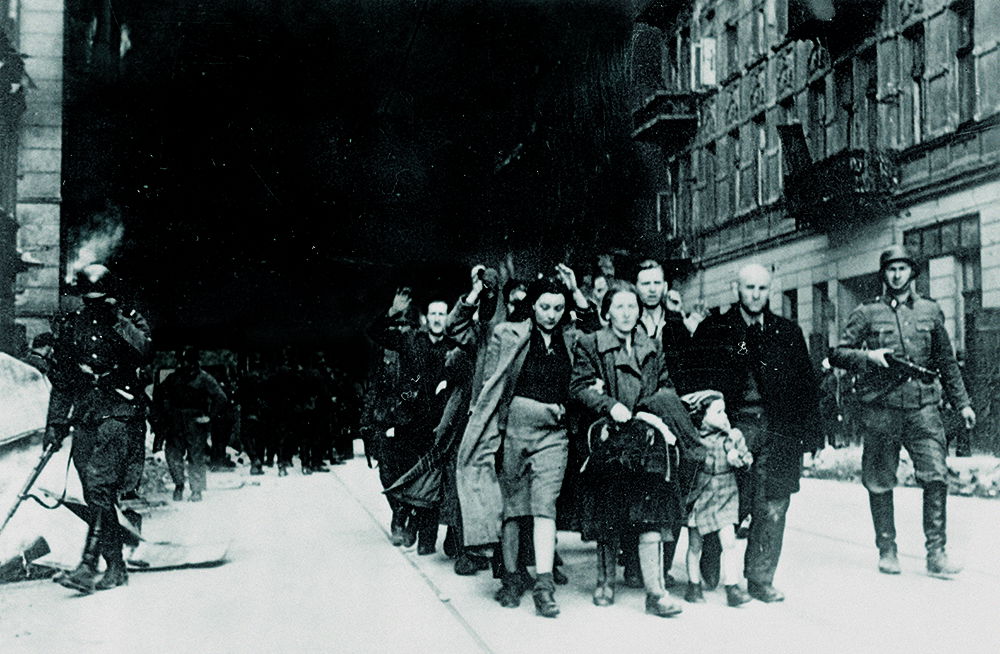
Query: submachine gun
point(883, 381)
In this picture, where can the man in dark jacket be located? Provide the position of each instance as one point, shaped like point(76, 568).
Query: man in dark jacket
point(663, 324)
point(421, 398)
point(96, 391)
point(185, 404)
point(760, 363)
point(900, 405)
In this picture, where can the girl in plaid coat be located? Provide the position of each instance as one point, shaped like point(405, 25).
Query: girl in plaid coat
point(713, 503)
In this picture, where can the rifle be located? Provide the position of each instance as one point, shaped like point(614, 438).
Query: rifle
point(32, 478)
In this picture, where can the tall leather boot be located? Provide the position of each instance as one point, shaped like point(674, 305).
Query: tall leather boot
point(935, 497)
point(604, 592)
point(885, 532)
point(83, 578)
point(111, 549)
point(427, 530)
point(397, 526)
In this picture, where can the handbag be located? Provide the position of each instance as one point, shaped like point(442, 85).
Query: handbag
point(627, 448)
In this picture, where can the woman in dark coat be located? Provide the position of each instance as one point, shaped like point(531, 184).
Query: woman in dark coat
point(620, 376)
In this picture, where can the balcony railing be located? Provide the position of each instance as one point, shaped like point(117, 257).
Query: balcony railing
point(846, 188)
point(668, 118)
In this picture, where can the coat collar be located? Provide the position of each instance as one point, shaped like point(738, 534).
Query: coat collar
point(642, 345)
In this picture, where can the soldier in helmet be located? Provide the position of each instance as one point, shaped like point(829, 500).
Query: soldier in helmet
point(185, 405)
point(96, 392)
point(898, 346)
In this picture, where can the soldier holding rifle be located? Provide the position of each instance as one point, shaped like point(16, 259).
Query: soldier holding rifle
point(898, 345)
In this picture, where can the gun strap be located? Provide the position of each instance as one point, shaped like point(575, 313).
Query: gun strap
point(62, 498)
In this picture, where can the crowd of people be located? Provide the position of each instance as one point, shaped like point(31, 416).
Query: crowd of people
point(536, 406)
point(529, 407)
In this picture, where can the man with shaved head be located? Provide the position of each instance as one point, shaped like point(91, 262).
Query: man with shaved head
point(760, 363)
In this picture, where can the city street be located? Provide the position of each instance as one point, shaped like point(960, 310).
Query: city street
point(310, 569)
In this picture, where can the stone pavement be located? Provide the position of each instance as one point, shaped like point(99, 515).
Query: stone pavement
point(311, 570)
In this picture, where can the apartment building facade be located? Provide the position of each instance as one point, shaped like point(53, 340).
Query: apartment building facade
point(810, 134)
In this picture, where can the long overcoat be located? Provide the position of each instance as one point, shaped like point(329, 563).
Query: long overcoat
point(478, 487)
point(721, 360)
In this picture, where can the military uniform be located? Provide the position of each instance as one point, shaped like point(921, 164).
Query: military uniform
point(901, 409)
point(96, 390)
point(187, 402)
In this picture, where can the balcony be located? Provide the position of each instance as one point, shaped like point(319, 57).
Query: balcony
point(667, 118)
point(839, 20)
point(846, 188)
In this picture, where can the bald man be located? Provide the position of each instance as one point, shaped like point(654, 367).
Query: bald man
point(760, 363)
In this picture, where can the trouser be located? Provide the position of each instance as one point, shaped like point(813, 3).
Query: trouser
point(426, 521)
point(308, 439)
point(190, 438)
point(767, 531)
point(252, 435)
point(222, 429)
point(101, 452)
point(920, 431)
point(136, 458)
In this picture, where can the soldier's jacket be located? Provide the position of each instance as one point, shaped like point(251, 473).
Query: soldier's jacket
point(95, 366)
point(913, 329)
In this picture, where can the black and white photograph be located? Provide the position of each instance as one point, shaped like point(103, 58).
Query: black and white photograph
point(499, 326)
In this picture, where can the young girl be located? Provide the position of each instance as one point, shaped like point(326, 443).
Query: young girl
point(714, 498)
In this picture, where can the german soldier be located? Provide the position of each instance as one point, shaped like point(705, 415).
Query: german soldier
point(898, 345)
point(96, 392)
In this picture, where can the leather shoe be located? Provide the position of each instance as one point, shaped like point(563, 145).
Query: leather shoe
point(467, 565)
point(694, 594)
point(604, 595)
point(765, 592)
point(179, 494)
point(116, 575)
point(424, 549)
point(544, 596)
point(661, 606)
point(736, 596)
point(888, 562)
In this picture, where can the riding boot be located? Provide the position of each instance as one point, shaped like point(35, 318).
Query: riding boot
point(83, 578)
point(885, 532)
point(935, 497)
point(111, 549)
point(427, 530)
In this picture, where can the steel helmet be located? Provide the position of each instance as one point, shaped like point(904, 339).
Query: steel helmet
point(94, 281)
point(897, 253)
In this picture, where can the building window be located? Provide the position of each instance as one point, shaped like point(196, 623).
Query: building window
point(914, 51)
point(841, 113)
point(964, 30)
point(817, 120)
point(734, 167)
point(732, 49)
point(707, 182)
point(759, 41)
point(866, 134)
point(778, 9)
point(760, 160)
point(790, 305)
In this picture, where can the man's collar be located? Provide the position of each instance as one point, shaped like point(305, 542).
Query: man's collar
point(748, 319)
point(658, 311)
point(892, 300)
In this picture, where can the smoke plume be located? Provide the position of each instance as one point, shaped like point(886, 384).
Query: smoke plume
point(96, 241)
